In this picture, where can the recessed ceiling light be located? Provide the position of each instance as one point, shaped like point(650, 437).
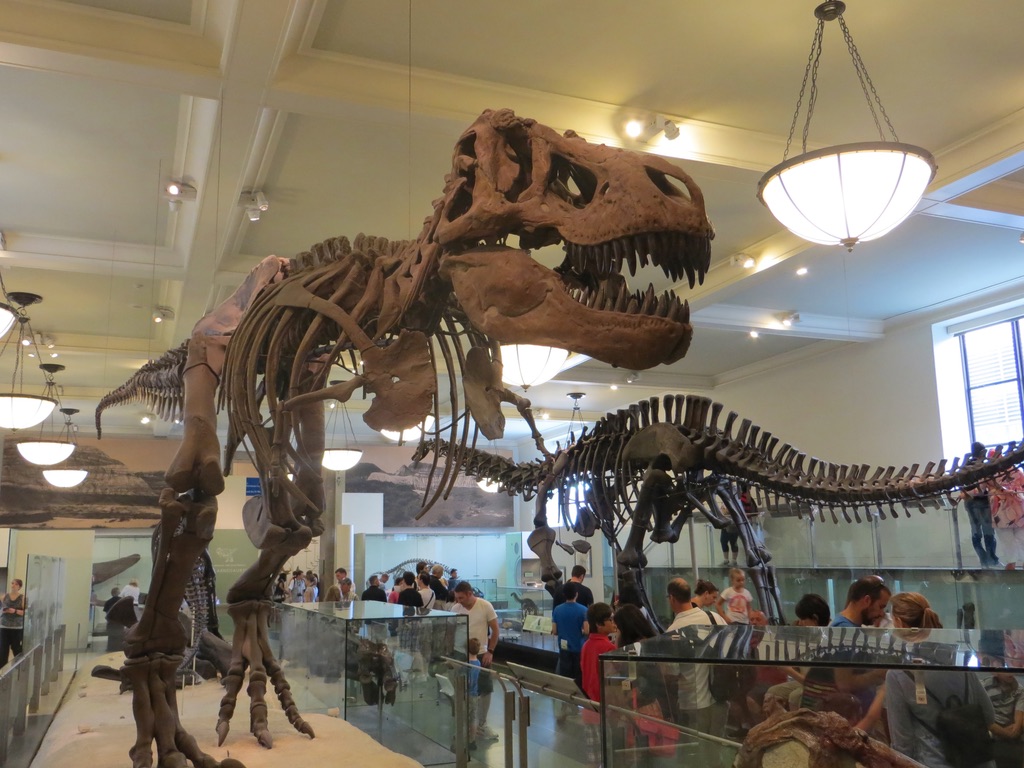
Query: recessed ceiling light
point(145, 419)
point(614, 387)
point(754, 334)
point(802, 271)
point(545, 415)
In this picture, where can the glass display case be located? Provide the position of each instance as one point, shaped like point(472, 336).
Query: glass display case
point(704, 693)
point(374, 664)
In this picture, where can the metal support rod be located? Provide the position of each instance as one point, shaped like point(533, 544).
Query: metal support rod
point(524, 725)
point(693, 552)
point(37, 678)
point(461, 686)
point(510, 716)
point(958, 554)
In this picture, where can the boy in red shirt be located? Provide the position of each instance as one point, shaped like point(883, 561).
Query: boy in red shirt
point(602, 624)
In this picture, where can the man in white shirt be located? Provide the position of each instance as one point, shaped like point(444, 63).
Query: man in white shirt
point(483, 625)
point(696, 707)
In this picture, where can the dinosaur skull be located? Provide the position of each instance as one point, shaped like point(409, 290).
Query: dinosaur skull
point(606, 206)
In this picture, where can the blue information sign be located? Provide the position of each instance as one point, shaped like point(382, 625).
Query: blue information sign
point(252, 486)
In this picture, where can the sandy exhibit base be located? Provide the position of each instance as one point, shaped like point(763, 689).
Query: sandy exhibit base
point(94, 727)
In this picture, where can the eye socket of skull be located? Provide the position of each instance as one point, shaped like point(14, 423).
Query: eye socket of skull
point(572, 182)
point(668, 185)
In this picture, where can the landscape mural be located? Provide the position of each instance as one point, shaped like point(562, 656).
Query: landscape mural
point(389, 471)
point(121, 491)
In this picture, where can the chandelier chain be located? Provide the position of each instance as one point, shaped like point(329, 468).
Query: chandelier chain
point(866, 83)
point(811, 74)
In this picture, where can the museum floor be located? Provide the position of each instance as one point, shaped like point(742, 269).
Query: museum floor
point(89, 714)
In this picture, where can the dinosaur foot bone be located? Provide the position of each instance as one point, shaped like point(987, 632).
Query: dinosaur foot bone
point(156, 717)
point(251, 650)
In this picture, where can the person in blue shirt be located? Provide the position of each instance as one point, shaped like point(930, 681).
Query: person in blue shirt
point(866, 601)
point(569, 623)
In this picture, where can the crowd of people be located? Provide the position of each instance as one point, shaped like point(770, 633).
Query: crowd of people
point(940, 718)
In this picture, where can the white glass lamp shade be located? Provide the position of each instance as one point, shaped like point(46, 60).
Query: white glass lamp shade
point(7, 318)
point(488, 486)
point(65, 478)
point(45, 452)
point(23, 411)
point(527, 365)
point(410, 434)
point(340, 459)
point(847, 194)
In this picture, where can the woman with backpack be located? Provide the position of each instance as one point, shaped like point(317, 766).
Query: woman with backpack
point(938, 718)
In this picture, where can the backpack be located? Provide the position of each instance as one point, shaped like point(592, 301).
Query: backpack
point(961, 729)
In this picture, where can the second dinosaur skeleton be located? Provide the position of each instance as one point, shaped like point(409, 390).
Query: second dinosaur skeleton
point(648, 468)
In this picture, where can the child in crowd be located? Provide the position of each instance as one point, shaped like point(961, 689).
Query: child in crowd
point(473, 649)
point(602, 624)
point(735, 600)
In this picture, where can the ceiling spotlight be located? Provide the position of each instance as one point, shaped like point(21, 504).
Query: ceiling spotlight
point(645, 132)
point(754, 334)
point(179, 190)
point(1019, 240)
point(254, 203)
point(614, 387)
point(146, 419)
point(47, 340)
point(789, 319)
point(802, 271)
point(632, 377)
point(162, 313)
point(743, 260)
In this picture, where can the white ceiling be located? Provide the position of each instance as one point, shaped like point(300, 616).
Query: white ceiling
point(344, 114)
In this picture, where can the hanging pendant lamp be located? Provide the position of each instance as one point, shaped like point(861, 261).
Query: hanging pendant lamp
point(53, 451)
point(19, 410)
point(340, 459)
point(849, 193)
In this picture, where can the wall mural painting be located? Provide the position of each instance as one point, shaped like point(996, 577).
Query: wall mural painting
point(125, 478)
point(390, 472)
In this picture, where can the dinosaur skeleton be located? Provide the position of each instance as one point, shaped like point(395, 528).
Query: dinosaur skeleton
point(393, 314)
point(649, 467)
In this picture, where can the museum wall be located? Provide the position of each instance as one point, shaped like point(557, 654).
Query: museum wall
point(868, 402)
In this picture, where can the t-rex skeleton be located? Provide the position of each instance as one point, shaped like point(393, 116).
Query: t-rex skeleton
point(393, 314)
point(650, 466)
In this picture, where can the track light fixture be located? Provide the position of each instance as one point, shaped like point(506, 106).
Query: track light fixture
point(177, 190)
point(255, 203)
point(162, 313)
point(789, 319)
point(646, 131)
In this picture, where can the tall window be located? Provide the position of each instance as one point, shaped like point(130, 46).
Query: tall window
point(992, 377)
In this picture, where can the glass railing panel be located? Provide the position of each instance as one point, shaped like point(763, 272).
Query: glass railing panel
point(699, 694)
point(375, 665)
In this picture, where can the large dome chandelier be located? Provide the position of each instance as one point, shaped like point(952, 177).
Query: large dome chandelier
point(849, 193)
point(527, 365)
point(17, 409)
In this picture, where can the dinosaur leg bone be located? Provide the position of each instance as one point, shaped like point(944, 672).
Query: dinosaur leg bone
point(197, 461)
point(154, 645)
